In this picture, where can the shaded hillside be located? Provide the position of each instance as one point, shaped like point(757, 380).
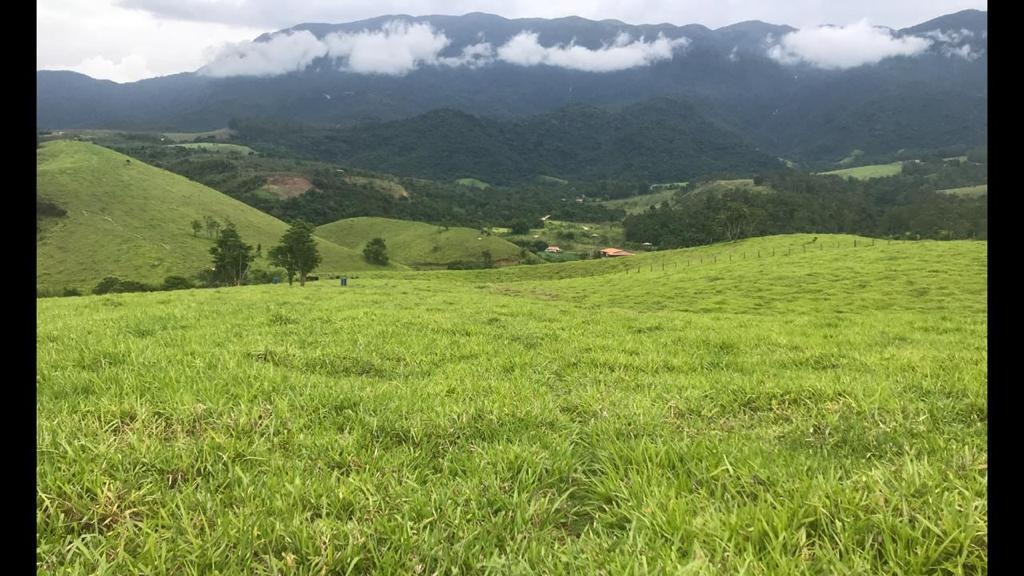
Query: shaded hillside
point(655, 141)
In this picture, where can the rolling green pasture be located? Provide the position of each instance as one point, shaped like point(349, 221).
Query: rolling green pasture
point(418, 244)
point(221, 134)
point(218, 147)
point(473, 182)
point(869, 171)
point(640, 204)
point(979, 190)
point(822, 410)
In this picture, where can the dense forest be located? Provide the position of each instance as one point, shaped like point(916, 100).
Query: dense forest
point(660, 140)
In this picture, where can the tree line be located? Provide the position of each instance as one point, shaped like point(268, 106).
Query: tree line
point(903, 206)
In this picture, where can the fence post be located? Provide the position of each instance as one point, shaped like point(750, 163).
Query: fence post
point(854, 242)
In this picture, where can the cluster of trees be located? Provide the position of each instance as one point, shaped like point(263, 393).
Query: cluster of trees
point(898, 206)
point(296, 253)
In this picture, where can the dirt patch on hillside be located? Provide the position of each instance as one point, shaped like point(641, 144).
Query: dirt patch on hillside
point(287, 185)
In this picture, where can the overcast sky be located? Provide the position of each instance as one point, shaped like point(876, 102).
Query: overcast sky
point(127, 40)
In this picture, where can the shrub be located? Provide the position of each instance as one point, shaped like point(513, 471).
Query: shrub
point(113, 284)
point(259, 276)
point(107, 285)
point(520, 227)
point(375, 252)
point(177, 283)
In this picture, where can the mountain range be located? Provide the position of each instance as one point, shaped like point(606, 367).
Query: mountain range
point(738, 78)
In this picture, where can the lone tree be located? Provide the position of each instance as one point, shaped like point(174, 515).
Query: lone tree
point(297, 252)
point(376, 252)
point(520, 226)
point(231, 257)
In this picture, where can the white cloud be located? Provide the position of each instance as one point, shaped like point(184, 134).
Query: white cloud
point(399, 47)
point(951, 36)
point(524, 49)
point(93, 36)
point(396, 49)
point(965, 52)
point(473, 56)
point(281, 54)
point(838, 47)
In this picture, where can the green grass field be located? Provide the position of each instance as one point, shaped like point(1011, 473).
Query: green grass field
point(132, 220)
point(870, 171)
point(218, 147)
point(222, 134)
point(640, 204)
point(980, 190)
point(418, 244)
point(473, 183)
point(819, 411)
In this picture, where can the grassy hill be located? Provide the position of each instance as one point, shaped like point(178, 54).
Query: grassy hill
point(417, 244)
point(129, 219)
point(783, 405)
point(980, 190)
point(667, 193)
point(641, 203)
point(869, 171)
point(218, 147)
